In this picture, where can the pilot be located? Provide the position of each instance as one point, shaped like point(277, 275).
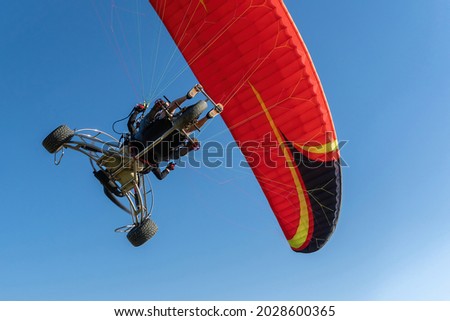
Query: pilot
point(161, 110)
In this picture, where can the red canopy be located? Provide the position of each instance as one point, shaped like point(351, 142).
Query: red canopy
point(250, 56)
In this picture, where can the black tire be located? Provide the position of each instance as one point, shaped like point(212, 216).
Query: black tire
point(141, 233)
point(57, 138)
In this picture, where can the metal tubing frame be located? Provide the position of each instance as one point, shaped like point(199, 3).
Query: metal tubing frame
point(87, 144)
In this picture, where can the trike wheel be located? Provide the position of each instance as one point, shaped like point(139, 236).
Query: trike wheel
point(142, 232)
point(57, 138)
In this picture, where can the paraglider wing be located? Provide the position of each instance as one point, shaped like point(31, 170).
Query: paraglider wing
point(249, 56)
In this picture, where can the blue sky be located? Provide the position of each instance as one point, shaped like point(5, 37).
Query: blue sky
point(384, 67)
